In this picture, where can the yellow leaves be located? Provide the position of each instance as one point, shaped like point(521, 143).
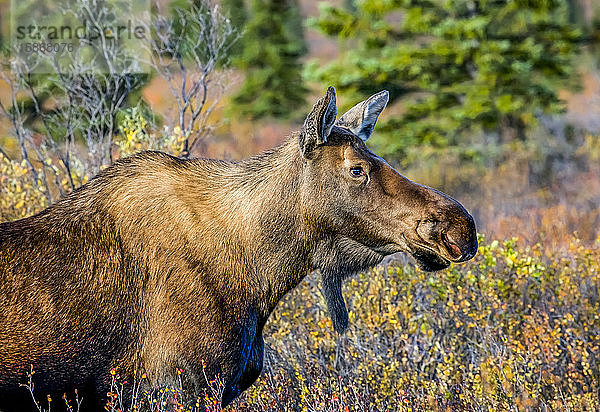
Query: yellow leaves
point(489, 337)
point(508, 372)
point(134, 136)
point(20, 194)
point(137, 135)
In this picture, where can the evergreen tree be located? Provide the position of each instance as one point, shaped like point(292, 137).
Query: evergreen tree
point(238, 14)
point(457, 65)
point(273, 46)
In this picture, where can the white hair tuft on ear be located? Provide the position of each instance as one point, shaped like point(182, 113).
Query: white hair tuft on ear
point(361, 119)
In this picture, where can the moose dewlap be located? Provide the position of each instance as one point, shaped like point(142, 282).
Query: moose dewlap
point(160, 263)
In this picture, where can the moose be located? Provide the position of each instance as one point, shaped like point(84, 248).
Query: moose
point(160, 263)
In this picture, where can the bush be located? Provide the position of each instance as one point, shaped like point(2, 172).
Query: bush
point(516, 329)
point(20, 194)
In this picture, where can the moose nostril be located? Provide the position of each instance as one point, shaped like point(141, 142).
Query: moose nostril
point(452, 247)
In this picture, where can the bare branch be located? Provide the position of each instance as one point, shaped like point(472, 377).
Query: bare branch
point(188, 49)
point(185, 52)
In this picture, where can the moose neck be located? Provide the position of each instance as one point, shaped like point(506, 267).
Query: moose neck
point(258, 217)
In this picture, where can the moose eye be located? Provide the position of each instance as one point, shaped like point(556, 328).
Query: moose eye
point(357, 171)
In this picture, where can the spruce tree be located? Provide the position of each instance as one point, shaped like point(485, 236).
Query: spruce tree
point(457, 66)
point(238, 14)
point(273, 45)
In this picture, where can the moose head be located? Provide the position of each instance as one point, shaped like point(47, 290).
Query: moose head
point(367, 209)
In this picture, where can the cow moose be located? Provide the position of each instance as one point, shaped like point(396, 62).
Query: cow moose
point(161, 263)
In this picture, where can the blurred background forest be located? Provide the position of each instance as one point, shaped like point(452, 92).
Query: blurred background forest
point(495, 102)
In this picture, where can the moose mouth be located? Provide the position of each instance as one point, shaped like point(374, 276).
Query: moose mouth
point(431, 260)
point(428, 260)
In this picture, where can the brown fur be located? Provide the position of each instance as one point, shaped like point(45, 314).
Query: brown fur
point(161, 263)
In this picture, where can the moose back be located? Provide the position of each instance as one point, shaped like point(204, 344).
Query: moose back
point(160, 263)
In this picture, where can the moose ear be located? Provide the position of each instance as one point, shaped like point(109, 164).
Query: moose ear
point(318, 123)
point(361, 119)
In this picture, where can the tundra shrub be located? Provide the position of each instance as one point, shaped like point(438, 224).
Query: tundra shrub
point(136, 134)
point(20, 194)
point(516, 329)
